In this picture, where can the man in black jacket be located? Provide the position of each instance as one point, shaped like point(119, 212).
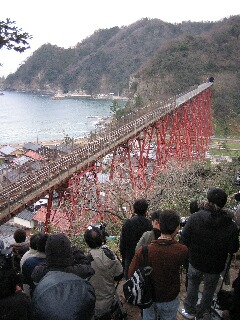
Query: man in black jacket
point(132, 230)
point(210, 235)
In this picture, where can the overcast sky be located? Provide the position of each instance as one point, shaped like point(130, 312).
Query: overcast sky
point(65, 23)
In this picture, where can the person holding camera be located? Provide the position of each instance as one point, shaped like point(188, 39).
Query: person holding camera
point(108, 269)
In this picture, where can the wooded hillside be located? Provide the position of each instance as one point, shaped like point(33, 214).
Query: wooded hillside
point(101, 63)
point(192, 60)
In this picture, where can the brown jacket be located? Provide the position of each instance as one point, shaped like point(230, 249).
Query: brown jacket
point(166, 258)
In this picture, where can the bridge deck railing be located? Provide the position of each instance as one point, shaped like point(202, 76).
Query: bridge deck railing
point(53, 174)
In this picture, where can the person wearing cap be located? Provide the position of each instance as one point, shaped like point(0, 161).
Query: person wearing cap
point(211, 235)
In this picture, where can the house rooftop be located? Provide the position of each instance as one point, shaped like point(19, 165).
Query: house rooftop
point(34, 155)
point(26, 215)
point(7, 150)
point(21, 160)
point(32, 146)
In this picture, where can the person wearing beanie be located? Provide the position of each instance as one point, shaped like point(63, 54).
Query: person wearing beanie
point(211, 235)
point(59, 257)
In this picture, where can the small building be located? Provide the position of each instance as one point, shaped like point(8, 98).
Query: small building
point(34, 155)
point(25, 219)
point(32, 146)
point(8, 152)
point(21, 160)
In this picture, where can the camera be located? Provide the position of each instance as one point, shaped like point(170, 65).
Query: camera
point(183, 221)
point(6, 259)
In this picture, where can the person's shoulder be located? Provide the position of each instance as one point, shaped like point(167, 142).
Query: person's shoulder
point(39, 272)
point(127, 222)
point(140, 218)
point(181, 246)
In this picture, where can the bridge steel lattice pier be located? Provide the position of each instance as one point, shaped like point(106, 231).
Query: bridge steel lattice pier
point(126, 155)
point(181, 133)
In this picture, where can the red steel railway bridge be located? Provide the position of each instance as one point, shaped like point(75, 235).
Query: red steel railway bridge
point(132, 150)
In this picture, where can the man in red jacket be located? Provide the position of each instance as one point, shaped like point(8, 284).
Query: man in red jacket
point(165, 256)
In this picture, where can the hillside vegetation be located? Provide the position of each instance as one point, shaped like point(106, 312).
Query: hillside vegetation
point(147, 60)
point(101, 63)
point(193, 60)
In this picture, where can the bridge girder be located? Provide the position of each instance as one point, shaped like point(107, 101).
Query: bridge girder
point(129, 157)
point(182, 135)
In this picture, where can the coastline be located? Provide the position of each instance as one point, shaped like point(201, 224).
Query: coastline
point(79, 141)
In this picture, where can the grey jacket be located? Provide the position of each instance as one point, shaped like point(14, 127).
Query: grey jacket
point(108, 269)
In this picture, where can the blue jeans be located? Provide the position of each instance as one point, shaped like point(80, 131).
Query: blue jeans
point(166, 310)
point(210, 281)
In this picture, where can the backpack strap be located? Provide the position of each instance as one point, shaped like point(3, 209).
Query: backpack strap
point(145, 255)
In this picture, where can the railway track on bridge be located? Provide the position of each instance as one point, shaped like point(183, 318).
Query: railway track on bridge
point(15, 196)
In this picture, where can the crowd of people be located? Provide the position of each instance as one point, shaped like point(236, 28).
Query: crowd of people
point(46, 277)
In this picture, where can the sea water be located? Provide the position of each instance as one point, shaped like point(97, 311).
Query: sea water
point(35, 118)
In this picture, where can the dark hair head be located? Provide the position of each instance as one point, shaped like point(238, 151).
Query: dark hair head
point(193, 206)
point(169, 221)
point(20, 235)
point(140, 206)
point(155, 215)
point(41, 242)
point(33, 241)
point(93, 237)
point(217, 196)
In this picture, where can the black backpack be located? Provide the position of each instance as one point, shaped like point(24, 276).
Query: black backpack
point(138, 289)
